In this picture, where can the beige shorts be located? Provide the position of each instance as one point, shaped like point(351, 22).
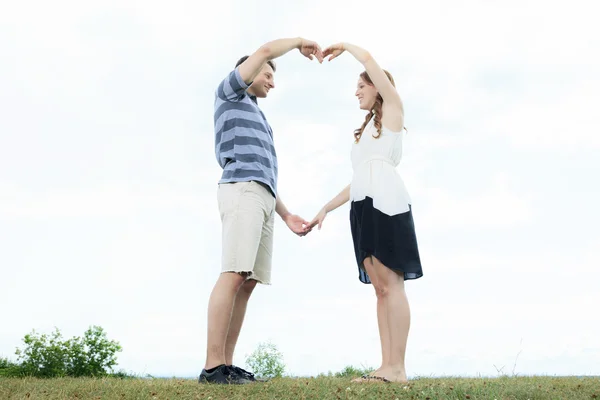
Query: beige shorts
point(247, 214)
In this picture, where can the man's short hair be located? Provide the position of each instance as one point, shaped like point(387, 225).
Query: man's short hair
point(270, 62)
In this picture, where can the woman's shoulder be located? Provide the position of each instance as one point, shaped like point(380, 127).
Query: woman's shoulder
point(393, 119)
point(391, 131)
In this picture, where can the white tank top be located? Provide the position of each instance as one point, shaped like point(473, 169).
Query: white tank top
point(374, 161)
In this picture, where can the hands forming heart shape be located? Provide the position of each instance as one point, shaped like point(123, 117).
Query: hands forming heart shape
point(311, 49)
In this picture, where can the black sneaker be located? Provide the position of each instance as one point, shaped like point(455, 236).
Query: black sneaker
point(247, 375)
point(223, 375)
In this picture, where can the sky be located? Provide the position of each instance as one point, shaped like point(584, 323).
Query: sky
point(108, 179)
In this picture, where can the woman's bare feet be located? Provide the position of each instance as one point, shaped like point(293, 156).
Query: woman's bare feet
point(393, 374)
point(370, 379)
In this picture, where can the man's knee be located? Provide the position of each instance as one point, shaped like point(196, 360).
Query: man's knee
point(249, 286)
point(235, 280)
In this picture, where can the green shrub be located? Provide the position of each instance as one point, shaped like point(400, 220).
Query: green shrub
point(348, 372)
point(123, 375)
point(49, 356)
point(266, 361)
point(9, 368)
point(5, 363)
point(92, 355)
point(351, 372)
point(43, 356)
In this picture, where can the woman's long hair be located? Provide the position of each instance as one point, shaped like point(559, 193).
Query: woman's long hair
point(375, 111)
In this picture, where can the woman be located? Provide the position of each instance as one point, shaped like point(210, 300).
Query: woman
point(381, 220)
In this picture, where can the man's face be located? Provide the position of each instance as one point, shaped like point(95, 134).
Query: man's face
point(263, 82)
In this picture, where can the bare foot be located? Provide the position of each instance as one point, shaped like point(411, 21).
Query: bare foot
point(370, 379)
point(393, 375)
point(397, 378)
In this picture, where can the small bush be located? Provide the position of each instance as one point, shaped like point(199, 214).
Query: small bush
point(48, 356)
point(9, 368)
point(92, 355)
point(266, 361)
point(43, 356)
point(5, 363)
point(123, 375)
point(348, 372)
point(351, 372)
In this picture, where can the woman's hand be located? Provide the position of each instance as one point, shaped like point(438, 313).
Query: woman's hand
point(334, 50)
point(318, 220)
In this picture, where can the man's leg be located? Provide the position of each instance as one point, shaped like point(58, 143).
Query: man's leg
point(242, 215)
point(220, 307)
point(262, 268)
point(237, 318)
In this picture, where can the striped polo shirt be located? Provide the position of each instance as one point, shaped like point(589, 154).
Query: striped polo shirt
point(243, 138)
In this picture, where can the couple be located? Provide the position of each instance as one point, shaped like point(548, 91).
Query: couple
point(380, 214)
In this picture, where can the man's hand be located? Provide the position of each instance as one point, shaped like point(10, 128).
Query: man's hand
point(297, 225)
point(334, 50)
point(310, 49)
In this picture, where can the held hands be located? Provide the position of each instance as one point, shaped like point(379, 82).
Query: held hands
point(297, 225)
point(301, 227)
point(334, 50)
point(310, 49)
point(318, 219)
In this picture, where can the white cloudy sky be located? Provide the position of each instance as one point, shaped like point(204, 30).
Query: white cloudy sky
point(108, 211)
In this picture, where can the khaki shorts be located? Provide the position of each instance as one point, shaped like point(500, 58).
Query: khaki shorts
point(247, 214)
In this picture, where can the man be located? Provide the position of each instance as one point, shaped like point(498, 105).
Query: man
point(248, 199)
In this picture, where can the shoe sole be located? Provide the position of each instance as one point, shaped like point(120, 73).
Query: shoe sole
point(207, 382)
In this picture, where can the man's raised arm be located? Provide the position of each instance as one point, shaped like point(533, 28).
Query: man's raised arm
point(274, 49)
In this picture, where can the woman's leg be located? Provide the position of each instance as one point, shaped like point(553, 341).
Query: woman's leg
point(382, 318)
point(391, 286)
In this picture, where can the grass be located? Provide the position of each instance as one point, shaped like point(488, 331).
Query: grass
point(572, 388)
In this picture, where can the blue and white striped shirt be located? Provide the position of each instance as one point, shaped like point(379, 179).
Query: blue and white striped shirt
point(243, 138)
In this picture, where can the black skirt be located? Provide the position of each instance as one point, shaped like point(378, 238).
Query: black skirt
point(390, 238)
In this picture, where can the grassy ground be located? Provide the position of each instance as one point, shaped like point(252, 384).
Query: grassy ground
point(570, 388)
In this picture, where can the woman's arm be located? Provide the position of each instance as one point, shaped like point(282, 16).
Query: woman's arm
point(334, 203)
point(338, 200)
point(380, 80)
